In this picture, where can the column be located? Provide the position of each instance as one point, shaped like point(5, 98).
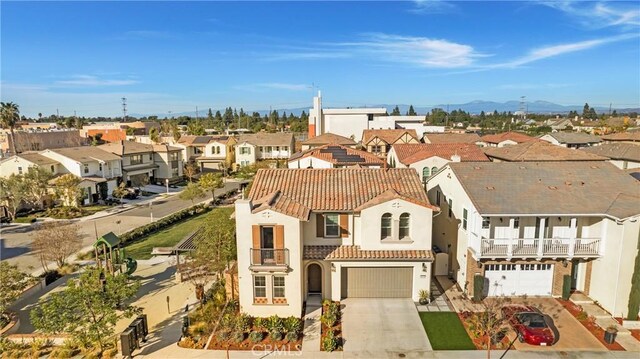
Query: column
point(573, 233)
point(510, 237)
point(541, 236)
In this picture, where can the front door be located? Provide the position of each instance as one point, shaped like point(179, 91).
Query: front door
point(266, 245)
point(574, 275)
point(314, 278)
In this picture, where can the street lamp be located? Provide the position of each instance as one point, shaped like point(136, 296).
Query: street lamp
point(166, 182)
point(151, 210)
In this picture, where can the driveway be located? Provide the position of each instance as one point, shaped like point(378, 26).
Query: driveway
point(382, 325)
point(572, 335)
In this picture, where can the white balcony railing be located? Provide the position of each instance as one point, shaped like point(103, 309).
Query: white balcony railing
point(537, 248)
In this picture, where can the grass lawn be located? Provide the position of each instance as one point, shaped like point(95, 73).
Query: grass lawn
point(445, 331)
point(168, 237)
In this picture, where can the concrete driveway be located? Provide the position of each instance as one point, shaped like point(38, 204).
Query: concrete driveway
point(385, 325)
point(570, 334)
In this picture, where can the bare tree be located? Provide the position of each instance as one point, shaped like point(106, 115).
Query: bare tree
point(190, 170)
point(55, 241)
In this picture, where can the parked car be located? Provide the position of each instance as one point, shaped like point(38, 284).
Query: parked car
point(529, 324)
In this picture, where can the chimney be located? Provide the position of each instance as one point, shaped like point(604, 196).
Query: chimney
point(456, 158)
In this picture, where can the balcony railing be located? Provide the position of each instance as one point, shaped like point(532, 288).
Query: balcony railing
point(261, 257)
point(536, 248)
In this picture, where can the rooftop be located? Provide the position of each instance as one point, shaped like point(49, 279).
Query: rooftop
point(633, 136)
point(388, 136)
point(616, 151)
point(340, 155)
point(348, 252)
point(267, 139)
point(574, 138)
point(409, 153)
point(86, 154)
point(37, 158)
point(451, 138)
point(539, 151)
point(506, 136)
point(328, 139)
point(126, 147)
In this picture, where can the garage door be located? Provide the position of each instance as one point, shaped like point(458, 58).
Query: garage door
point(518, 279)
point(376, 282)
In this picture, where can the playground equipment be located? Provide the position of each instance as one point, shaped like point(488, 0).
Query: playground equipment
point(114, 256)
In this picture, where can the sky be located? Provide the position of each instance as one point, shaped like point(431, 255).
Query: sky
point(171, 57)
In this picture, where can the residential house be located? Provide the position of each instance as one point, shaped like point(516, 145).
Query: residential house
point(38, 140)
point(193, 147)
point(471, 138)
point(526, 228)
point(571, 139)
point(334, 233)
point(327, 139)
point(623, 137)
point(20, 164)
point(219, 153)
point(138, 165)
point(170, 164)
point(505, 139)
point(427, 158)
point(538, 151)
point(98, 169)
point(379, 142)
point(622, 155)
point(334, 156)
point(264, 146)
point(558, 124)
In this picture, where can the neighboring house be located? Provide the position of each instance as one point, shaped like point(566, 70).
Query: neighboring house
point(219, 153)
point(138, 165)
point(623, 137)
point(39, 140)
point(170, 164)
point(334, 156)
point(115, 129)
point(622, 155)
point(107, 134)
point(471, 138)
point(540, 151)
point(98, 169)
point(264, 146)
point(19, 164)
point(505, 139)
point(528, 227)
point(379, 142)
point(427, 158)
point(571, 139)
point(558, 124)
point(193, 147)
point(334, 233)
point(327, 139)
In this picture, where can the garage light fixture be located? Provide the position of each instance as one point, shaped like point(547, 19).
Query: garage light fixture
point(333, 267)
point(424, 267)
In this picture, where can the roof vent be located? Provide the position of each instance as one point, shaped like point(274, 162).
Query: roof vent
point(476, 167)
point(553, 187)
point(568, 183)
point(523, 167)
point(490, 188)
point(456, 158)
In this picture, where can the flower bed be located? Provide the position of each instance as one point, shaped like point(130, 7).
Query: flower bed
point(588, 322)
point(242, 332)
point(331, 326)
point(479, 339)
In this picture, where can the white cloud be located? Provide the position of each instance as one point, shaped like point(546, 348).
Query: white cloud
point(93, 81)
point(600, 14)
point(432, 7)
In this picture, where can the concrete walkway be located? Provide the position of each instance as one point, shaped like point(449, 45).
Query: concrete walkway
point(439, 302)
point(312, 325)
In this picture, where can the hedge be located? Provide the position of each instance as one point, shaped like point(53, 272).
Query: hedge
point(478, 288)
point(566, 286)
point(634, 294)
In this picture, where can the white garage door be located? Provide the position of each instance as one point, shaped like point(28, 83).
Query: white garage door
point(518, 279)
point(377, 282)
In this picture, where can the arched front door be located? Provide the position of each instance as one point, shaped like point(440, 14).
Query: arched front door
point(314, 278)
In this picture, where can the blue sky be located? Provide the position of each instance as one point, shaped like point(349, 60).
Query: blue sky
point(174, 56)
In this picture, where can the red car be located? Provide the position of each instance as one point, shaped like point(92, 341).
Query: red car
point(530, 325)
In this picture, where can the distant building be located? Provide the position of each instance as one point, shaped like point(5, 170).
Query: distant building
point(571, 139)
point(264, 146)
point(623, 137)
point(327, 139)
point(505, 139)
point(209, 152)
point(379, 142)
point(38, 141)
point(334, 156)
point(471, 138)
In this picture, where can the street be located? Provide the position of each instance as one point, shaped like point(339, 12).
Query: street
point(15, 240)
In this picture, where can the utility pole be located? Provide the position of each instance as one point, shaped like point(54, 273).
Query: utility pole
point(196, 113)
point(124, 109)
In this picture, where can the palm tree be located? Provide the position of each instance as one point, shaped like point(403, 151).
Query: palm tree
point(9, 116)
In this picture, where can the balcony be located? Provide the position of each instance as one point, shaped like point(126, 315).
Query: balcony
point(272, 260)
point(537, 248)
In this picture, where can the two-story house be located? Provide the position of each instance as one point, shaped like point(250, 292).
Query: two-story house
point(334, 233)
point(264, 146)
point(219, 153)
point(20, 164)
point(334, 156)
point(170, 164)
point(327, 139)
point(379, 142)
point(527, 228)
point(622, 155)
point(98, 169)
point(138, 165)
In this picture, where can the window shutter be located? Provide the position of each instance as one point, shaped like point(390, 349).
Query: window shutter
point(319, 225)
point(344, 225)
point(255, 229)
point(279, 244)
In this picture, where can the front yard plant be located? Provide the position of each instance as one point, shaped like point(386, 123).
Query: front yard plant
point(588, 322)
point(331, 326)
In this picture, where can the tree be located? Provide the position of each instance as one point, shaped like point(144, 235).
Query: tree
point(247, 172)
point(130, 131)
point(67, 190)
point(9, 117)
point(12, 283)
point(190, 170)
point(216, 246)
point(36, 185)
point(396, 111)
point(411, 111)
point(12, 193)
point(56, 241)
point(79, 122)
point(211, 182)
point(120, 192)
point(195, 128)
point(586, 111)
point(88, 308)
point(191, 193)
point(154, 136)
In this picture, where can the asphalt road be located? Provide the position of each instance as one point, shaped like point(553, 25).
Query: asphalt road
point(15, 240)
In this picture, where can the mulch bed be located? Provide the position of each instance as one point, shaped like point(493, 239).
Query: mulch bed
point(588, 323)
point(481, 341)
point(337, 328)
point(266, 345)
point(635, 333)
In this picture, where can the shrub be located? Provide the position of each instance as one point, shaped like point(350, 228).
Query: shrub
point(291, 336)
point(242, 323)
point(259, 324)
point(275, 327)
point(61, 353)
point(334, 308)
point(255, 337)
point(566, 286)
point(237, 337)
point(293, 325)
point(634, 294)
point(329, 342)
point(326, 302)
point(275, 335)
point(582, 316)
point(329, 319)
point(223, 335)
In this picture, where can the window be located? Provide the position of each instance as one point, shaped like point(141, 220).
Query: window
point(450, 202)
point(86, 168)
point(278, 286)
point(285, 148)
point(151, 157)
point(19, 170)
point(516, 222)
point(100, 166)
point(53, 169)
point(277, 148)
point(486, 222)
point(434, 170)
point(197, 150)
point(245, 150)
point(464, 218)
point(331, 226)
point(135, 159)
point(437, 198)
point(260, 286)
point(404, 225)
point(425, 174)
point(174, 156)
point(385, 226)
point(268, 148)
point(215, 150)
point(376, 149)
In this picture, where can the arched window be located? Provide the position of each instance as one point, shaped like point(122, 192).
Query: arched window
point(434, 170)
point(425, 174)
point(404, 225)
point(385, 226)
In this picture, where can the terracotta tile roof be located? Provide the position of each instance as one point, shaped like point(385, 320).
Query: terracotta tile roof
point(280, 203)
point(451, 138)
point(633, 136)
point(539, 151)
point(356, 253)
point(337, 189)
point(126, 147)
point(268, 139)
point(616, 151)
point(388, 136)
point(409, 153)
point(340, 155)
point(548, 188)
point(513, 136)
point(330, 138)
point(574, 138)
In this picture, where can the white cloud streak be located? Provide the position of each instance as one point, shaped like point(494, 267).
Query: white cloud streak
point(599, 14)
point(432, 7)
point(93, 81)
